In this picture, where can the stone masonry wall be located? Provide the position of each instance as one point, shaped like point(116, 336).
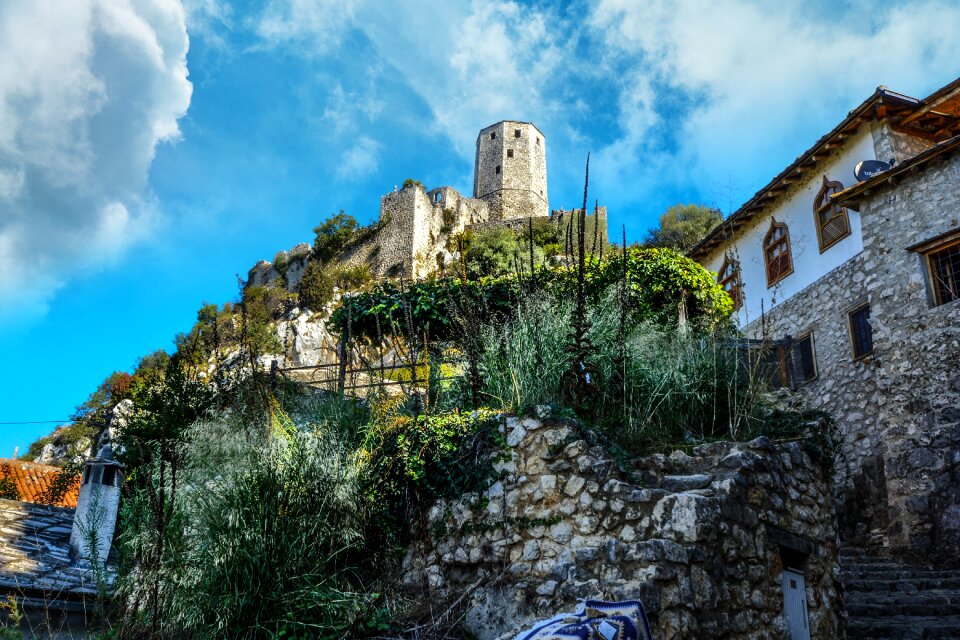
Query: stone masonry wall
point(700, 539)
point(895, 145)
point(844, 387)
point(899, 407)
point(917, 348)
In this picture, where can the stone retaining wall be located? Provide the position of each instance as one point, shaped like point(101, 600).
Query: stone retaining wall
point(700, 539)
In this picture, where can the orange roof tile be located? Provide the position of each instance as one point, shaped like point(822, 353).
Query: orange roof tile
point(33, 480)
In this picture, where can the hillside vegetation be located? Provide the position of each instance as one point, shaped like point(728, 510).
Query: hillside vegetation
point(257, 506)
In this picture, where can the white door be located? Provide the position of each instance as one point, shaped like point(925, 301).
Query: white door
point(795, 604)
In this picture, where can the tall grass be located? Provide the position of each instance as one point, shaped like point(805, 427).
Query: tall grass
point(659, 385)
point(268, 550)
point(264, 533)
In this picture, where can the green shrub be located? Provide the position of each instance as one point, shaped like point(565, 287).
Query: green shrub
point(411, 461)
point(315, 288)
point(333, 235)
point(660, 280)
point(8, 486)
point(319, 281)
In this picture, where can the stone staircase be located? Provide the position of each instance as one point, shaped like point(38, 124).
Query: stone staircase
point(890, 599)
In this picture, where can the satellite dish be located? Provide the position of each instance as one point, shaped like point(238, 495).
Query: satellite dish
point(869, 168)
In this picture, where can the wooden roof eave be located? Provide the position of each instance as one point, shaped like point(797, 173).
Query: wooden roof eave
point(794, 172)
point(851, 196)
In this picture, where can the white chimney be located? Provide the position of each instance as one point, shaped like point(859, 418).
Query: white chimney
point(95, 519)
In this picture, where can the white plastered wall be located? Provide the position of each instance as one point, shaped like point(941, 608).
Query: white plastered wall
point(795, 208)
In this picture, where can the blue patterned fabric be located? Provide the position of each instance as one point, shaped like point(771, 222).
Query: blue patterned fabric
point(596, 620)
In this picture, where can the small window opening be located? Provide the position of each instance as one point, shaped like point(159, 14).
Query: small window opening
point(498, 169)
point(807, 358)
point(110, 476)
point(86, 476)
point(944, 267)
point(509, 153)
point(516, 133)
point(538, 142)
point(493, 135)
point(861, 332)
point(437, 197)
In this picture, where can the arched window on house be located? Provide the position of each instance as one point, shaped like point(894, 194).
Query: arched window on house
point(776, 253)
point(729, 280)
point(833, 223)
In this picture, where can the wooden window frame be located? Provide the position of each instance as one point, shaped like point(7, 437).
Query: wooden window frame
point(813, 353)
point(853, 345)
point(937, 296)
point(767, 245)
point(821, 203)
point(736, 288)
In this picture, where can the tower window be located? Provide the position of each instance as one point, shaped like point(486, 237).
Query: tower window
point(493, 135)
point(516, 133)
point(776, 251)
point(538, 142)
point(498, 169)
point(110, 476)
point(509, 153)
point(833, 224)
point(861, 332)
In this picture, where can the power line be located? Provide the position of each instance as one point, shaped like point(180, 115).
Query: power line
point(38, 422)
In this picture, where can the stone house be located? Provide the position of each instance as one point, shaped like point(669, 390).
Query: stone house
point(857, 278)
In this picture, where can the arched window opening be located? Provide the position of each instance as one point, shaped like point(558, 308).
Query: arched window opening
point(729, 279)
point(776, 251)
point(833, 223)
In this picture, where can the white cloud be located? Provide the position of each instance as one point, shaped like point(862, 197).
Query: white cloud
point(87, 91)
point(360, 160)
point(763, 81)
point(726, 91)
point(315, 26)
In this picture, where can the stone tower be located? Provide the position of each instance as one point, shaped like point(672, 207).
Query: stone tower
point(95, 519)
point(510, 172)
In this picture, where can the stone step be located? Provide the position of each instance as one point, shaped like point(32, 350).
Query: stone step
point(931, 606)
point(901, 585)
point(899, 574)
point(905, 628)
point(888, 599)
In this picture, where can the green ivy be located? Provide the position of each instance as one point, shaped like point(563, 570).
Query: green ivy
point(411, 462)
point(659, 280)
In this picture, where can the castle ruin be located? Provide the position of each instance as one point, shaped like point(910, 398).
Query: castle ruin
point(416, 226)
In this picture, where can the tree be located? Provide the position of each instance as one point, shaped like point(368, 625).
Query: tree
point(682, 226)
point(333, 235)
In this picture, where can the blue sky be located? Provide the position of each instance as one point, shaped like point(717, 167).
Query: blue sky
point(151, 151)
